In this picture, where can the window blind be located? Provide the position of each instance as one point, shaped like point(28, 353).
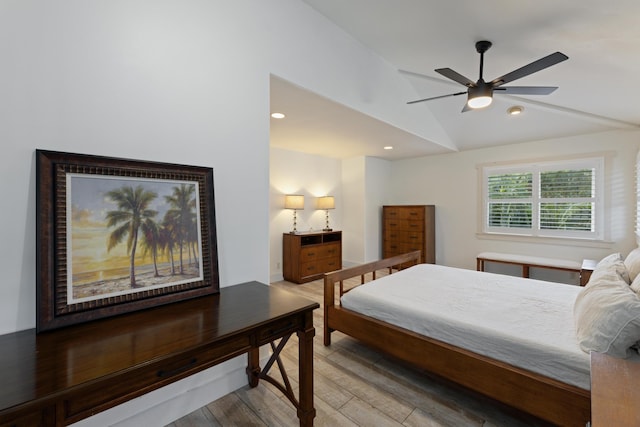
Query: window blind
point(567, 199)
point(510, 200)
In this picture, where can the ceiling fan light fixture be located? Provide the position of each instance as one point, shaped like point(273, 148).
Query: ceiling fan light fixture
point(480, 96)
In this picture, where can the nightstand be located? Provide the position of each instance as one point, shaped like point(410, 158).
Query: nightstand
point(588, 265)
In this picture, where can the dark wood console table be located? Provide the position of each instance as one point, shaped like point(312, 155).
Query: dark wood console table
point(60, 377)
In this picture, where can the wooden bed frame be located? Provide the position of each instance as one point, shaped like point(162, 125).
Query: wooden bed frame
point(546, 398)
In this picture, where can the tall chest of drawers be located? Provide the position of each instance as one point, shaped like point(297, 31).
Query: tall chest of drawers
point(407, 228)
point(307, 256)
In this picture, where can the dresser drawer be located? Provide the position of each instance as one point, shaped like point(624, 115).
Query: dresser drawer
point(331, 250)
point(330, 264)
point(127, 385)
point(404, 224)
point(392, 248)
point(404, 236)
point(398, 248)
point(278, 329)
point(310, 253)
point(408, 212)
point(310, 269)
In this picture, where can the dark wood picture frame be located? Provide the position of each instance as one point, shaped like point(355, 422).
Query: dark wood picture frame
point(56, 217)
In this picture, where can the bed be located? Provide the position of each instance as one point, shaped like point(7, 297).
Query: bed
point(557, 394)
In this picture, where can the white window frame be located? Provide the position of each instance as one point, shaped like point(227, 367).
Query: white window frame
point(535, 168)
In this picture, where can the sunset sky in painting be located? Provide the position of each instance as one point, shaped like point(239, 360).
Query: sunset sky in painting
point(87, 208)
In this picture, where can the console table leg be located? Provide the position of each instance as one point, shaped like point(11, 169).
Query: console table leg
point(306, 411)
point(253, 366)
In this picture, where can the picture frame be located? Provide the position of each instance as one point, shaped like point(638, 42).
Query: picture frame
point(118, 235)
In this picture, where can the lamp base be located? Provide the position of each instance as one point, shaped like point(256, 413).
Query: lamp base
point(327, 229)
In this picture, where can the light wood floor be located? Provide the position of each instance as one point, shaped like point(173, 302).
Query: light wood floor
point(354, 386)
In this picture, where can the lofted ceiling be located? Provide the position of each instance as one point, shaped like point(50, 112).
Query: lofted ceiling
point(597, 85)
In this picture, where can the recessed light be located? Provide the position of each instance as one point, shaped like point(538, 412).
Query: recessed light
point(515, 110)
point(388, 147)
point(277, 115)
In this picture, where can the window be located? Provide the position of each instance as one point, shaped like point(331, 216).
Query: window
point(546, 199)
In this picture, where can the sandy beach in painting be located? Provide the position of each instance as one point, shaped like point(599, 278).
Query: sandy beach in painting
point(143, 280)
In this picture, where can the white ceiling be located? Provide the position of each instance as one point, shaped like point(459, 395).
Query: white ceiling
point(598, 85)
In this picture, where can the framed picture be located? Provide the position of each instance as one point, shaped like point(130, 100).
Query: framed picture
point(119, 235)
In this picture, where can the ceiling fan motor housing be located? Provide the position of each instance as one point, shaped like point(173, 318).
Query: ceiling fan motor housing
point(481, 89)
point(482, 46)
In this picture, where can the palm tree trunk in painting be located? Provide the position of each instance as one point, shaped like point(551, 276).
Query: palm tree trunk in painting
point(132, 267)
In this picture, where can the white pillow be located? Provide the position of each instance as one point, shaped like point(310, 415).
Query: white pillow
point(607, 311)
point(610, 266)
point(632, 262)
point(635, 285)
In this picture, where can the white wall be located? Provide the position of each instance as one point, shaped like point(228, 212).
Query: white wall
point(354, 192)
point(450, 181)
point(366, 188)
point(170, 81)
point(378, 193)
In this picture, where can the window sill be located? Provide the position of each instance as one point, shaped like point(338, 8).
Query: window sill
point(568, 241)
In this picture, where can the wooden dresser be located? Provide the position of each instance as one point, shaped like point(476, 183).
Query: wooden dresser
point(307, 256)
point(407, 228)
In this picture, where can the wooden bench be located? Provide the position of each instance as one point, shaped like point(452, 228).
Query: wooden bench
point(526, 262)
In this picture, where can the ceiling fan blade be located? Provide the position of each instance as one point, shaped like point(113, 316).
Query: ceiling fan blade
point(534, 67)
point(466, 108)
point(437, 97)
point(526, 90)
point(456, 77)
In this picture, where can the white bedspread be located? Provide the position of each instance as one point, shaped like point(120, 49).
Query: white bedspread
point(524, 322)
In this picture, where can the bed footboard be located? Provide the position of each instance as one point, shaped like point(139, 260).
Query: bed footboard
point(338, 277)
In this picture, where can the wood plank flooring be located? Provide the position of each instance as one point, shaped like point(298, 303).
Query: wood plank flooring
point(354, 386)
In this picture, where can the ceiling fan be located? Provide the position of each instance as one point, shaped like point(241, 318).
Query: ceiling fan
point(480, 93)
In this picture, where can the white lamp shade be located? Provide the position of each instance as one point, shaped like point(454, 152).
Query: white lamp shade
point(294, 201)
point(326, 202)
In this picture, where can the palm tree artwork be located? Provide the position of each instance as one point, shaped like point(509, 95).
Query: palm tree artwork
point(182, 215)
point(126, 234)
point(133, 211)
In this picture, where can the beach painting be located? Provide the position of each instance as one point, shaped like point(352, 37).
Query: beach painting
point(129, 234)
